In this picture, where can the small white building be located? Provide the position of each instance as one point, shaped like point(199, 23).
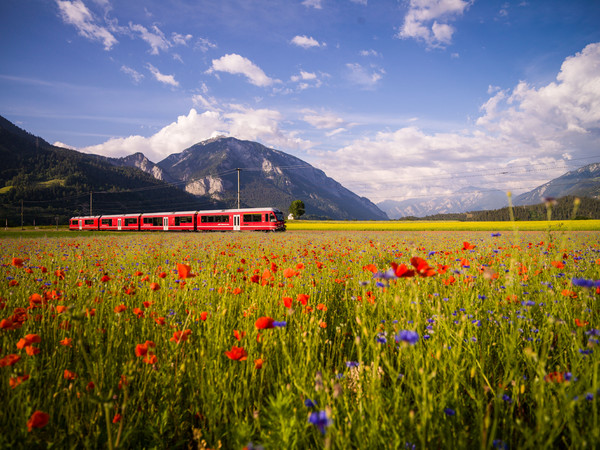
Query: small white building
point(290, 216)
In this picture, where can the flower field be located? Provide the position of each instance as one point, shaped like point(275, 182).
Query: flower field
point(304, 339)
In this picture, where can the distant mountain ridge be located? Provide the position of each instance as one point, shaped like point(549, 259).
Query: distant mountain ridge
point(582, 182)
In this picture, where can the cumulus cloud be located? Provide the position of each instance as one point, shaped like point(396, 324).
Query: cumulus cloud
point(427, 21)
point(238, 65)
point(306, 42)
point(77, 14)
point(522, 139)
point(165, 79)
point(261, 125)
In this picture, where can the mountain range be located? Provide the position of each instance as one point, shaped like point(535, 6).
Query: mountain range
point(582, 182)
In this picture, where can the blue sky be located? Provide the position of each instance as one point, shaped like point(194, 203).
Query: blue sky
point(394, 99)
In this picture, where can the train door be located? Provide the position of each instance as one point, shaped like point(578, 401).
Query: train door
point(236, 223)
point(165, 223)
point(80, 224)
point(119, 224)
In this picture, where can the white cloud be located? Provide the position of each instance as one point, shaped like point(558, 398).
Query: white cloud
point(134, 74)
point(364, 77)
point(204, 45)
point(427, 21)
point(166, 79)
point(261, 125)
point(306, 42)
point(77, 14)
point(238, 65)
point(307, 80)
point(312, 3)
point(180, 39)
point(520, 141)
point(60, 144)
point(155, 38)
point(322, 121)
point(370, 52)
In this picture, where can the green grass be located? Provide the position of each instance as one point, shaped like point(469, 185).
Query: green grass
point(506, 351)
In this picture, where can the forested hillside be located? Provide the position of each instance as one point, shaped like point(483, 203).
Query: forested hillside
point(47, 182)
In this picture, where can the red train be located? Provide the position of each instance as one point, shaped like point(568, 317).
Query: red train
point(247, 219)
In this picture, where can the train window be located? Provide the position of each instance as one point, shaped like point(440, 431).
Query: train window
point(89, 221)
point(252, 217)
point(74, 222)
point(214, 219)
point(131, 221)
point(183, 220)
point(107, 222)
point(153, 221)
point(272, 217)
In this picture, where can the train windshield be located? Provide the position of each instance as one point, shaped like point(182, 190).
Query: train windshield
point(279, 216)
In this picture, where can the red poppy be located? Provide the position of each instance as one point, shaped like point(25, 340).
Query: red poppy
point(15, 381)
point(422, 267)
point(402, 271)
point(302, 298)
point(154, 286)
point(203, 316)
point(38, 419)
point(289, 273)
point(67, 342)
point(468, 246)
point(239, 335)
point(142, 349)
point(61, 309)
point(105, 278)
point(263, 323)
point(581, 323)
point(116, 418)
point(370, 268)
point(150, 359)
point(17, 262)
point(184, 271)
point(258, 363)
point(558, 264)
point(287, 301)
point(236, 291)
point(180, 336)
point(237, 354)
point(120, 308)
point(160, 320)
point(9, 360)
point(68, 375)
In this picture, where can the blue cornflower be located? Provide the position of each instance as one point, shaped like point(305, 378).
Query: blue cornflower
point(350, 364)
point(411, 337)
point(381, 339)
point(320, 420)
point(280, 324)
point(496, 234)
point(507, 398)
point(449, 412)
point(309, 403)
point(582, 282)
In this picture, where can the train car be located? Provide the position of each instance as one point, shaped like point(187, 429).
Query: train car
point(247, 219)
point(120, 222)
point(169, 221)
point(84, 223)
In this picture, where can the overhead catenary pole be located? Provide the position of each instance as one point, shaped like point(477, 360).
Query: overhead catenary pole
point(91, 213)
point(21, 214)
point(238, 196)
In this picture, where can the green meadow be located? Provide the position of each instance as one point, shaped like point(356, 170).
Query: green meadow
point(304, 339)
